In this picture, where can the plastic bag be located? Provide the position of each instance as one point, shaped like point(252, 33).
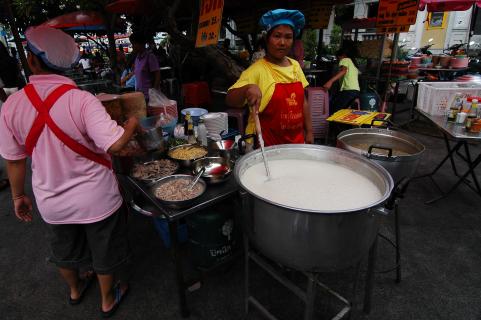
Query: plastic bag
point(157, 98)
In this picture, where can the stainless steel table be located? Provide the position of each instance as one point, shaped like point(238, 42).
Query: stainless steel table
point(444, 73)
point(457, 133)
point(213, 194)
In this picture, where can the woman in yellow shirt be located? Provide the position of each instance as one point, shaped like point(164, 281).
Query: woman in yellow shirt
point(348, 74)
point(274, 86)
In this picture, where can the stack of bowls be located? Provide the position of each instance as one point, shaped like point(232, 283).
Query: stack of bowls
point(216, 123)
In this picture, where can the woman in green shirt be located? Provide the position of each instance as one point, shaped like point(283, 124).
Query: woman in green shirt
point(348, 74)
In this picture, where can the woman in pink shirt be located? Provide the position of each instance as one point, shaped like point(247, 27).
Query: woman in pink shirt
point(68, 135)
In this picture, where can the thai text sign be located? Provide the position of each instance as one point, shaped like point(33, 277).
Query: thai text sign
point(396, 13)
point(210, 19)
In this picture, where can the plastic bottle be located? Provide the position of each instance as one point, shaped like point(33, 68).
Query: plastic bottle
point(473, 113)
point(455, 107)
point(202, 133)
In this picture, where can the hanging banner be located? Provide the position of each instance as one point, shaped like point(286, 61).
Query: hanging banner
point(210, 19)
point(396, 15)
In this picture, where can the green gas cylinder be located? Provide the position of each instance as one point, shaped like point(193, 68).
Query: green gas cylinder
point(369, 101)
point(212, 235)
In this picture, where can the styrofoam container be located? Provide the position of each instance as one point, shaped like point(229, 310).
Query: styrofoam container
point(434, 97)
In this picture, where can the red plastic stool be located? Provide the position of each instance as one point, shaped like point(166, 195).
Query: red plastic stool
point(238, 114)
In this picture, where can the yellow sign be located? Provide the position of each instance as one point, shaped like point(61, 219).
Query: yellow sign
point(210, 19)
point(318, 16)
point(396, 13)
point(359, 117)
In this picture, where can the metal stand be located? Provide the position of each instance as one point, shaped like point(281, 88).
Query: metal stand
point(176, 257)
point(308, 296)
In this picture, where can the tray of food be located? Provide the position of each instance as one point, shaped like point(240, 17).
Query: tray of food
point(174, 191)
point(187, 153)
point(154, 170)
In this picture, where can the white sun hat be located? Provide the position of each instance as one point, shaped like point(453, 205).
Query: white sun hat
point(57, 49)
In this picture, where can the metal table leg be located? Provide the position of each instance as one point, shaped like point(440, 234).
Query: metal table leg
point(460, 180)
point(370, 276)
point(470, 163)
point(181, 287)
point(448, 156)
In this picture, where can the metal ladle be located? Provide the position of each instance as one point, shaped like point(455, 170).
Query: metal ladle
point(261, 143)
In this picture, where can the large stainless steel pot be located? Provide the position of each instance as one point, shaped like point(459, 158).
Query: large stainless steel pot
point(382, 146)
point(313, 240)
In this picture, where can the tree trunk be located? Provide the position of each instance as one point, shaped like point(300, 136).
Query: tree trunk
point(113, 48)
point(16, 37)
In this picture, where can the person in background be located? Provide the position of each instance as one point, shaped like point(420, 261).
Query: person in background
point(259, 52)
point(147, 70)
point(274, 86)
point(121, 58)
point(226, 47)
point(297, 51)
point(127, 79)
point(348, 74)
point(84, 62)
point(75, 188)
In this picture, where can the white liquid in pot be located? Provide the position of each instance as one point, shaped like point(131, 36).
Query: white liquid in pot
point(311, 185)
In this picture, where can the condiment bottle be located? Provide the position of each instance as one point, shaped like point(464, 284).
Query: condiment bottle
point(190, 131)
point(202, 133)
point(186, 123)
point(473, 113)
point(455, 107)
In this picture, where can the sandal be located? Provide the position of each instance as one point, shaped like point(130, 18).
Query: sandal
point(119, 296)
point(85, 284)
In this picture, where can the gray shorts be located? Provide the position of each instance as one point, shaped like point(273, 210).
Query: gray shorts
point(101, 245)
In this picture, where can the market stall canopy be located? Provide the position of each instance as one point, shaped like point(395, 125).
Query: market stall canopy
point(78, 21)
point(130, 7)
point(447, 5)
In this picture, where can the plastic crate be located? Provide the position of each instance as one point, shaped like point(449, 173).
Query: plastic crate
point(434, 97)
point(162, 227)
point(319, 105)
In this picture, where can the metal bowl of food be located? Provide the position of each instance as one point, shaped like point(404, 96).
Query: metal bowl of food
point(217, 169)
point(186, 154)
point(152, 171)
point(173, 190)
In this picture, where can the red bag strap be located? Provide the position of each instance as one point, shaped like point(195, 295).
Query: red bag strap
point(43, 118)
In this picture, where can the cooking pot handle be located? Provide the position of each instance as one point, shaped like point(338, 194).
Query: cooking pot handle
point(386, 123)
point(369, 151)
point(243, 139)
point(140, 210)
point(248, 211)
point(381, 210)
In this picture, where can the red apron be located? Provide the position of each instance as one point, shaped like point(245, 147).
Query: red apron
point(43, 118)
point(282, 120)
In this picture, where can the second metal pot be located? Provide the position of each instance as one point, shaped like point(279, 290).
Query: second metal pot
point(397, 152)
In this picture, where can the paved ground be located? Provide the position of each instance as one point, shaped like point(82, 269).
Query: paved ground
point(441, 262)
